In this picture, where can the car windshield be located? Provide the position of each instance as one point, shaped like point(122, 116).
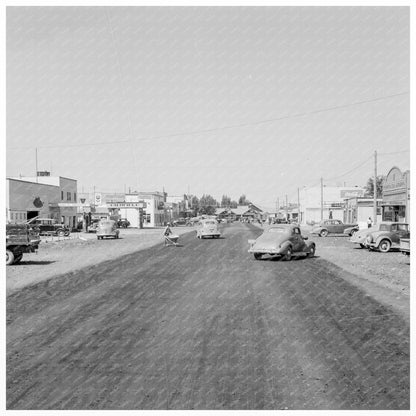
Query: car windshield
point(277, 230)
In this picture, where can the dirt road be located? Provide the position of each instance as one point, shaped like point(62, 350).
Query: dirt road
point(204, 326)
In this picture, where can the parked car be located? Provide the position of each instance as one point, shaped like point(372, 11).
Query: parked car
point(405, 246)
point(387, 236)
point(123, 223)
point(179, 221)
point(326, 227)
point(107, 228)
point(92, 228)
point(207, 228)
point(351, 230)
point(359, 237)
point(20, 238)
point(49, 226)
point(284, 241)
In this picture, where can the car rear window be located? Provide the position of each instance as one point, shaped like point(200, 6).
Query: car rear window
point(384, 227)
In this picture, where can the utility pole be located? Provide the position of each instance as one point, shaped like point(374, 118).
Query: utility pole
point(322, 199)
point(375, 189)
point(298, 207)
point(36, 173)
point(287, 213)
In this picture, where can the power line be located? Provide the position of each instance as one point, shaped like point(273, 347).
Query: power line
point(233, 126)
point(351, 170)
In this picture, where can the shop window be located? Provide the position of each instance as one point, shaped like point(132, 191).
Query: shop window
point(62, 195)
point(68, 196)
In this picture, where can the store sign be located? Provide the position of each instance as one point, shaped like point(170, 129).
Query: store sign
point(352, 193)
point(124, 204)
point(97, 199)
point(394, 181)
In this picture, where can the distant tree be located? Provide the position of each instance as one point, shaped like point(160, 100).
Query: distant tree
point(207, 205)
point(225, 201)
point(369, 188)
point(233, 204)
point(243, 200)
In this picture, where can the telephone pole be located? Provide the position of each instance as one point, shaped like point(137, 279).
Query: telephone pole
point(375, 189)
point(322, 199)
point(298, 207)
point(287, 208)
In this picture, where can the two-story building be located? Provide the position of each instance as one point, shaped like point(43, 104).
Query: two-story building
point(44, 196)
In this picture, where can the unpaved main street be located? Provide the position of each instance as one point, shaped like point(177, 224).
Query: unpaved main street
point(204, 326)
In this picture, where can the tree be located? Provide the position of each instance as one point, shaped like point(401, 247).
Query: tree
point(369, 188)
point(233, 204)
point(225, 201)
point(207, 205)
point(243, 200)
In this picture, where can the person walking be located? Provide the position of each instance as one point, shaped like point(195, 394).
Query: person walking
point(369, 222)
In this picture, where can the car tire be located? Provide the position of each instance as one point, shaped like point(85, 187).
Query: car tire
point(384, 246)
point(362, 245)
point(60, 233)
point(9, 257)
point(312, 251)
point(288, 254)
point(258, 256)
point(353, 233)
point(323, 233)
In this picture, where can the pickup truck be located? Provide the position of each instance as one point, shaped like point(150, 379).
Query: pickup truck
point(405, 246)
point(20, 238)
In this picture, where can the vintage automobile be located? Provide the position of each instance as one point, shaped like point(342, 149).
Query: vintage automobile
point(49, 226)
point(282, 240)
point(326, 227)
point(123, 223)
point(360, 236)
point(351, 230)
point(387, 236)
point(207, 228)
point(179, 221)
point(92, 228)
point(20, 238)
point(107, 228)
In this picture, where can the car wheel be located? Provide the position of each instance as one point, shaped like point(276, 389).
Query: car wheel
point(9, 257)
point(323, 233)
point(61, 233)
point(288, 255)
point(312, 251)
point(257, 256)
point(384, 246)
point(353, 233)
point(362, 245)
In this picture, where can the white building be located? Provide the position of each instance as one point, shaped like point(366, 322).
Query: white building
point(333, 202)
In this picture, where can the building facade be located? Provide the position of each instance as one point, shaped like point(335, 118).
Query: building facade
point(318, 203)
point(43, 196)
point(396, 196)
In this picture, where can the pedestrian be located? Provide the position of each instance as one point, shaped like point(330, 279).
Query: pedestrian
point(369, 222)
point(330, 214)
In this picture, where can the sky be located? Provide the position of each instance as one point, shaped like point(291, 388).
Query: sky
point(258, 101)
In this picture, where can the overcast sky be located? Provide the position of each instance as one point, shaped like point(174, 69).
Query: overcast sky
point(218, 100)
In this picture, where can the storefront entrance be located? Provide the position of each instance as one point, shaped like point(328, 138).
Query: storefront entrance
point(31, 214)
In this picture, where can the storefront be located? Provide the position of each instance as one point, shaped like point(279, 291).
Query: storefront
point(396, 196)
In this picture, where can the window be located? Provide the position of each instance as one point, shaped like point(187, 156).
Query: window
point(68, 196)
point(75, 197)
point(62, 195)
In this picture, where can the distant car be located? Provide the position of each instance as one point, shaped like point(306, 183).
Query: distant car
point(179, 221)
point(360, 236)
point(387, 236)
point(207, 228)
point(107, 228)
point(284, 241)
point(49, 226)
point(123, 223)
point(326, 227)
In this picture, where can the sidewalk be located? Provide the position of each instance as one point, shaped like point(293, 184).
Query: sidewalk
point(59, 255)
